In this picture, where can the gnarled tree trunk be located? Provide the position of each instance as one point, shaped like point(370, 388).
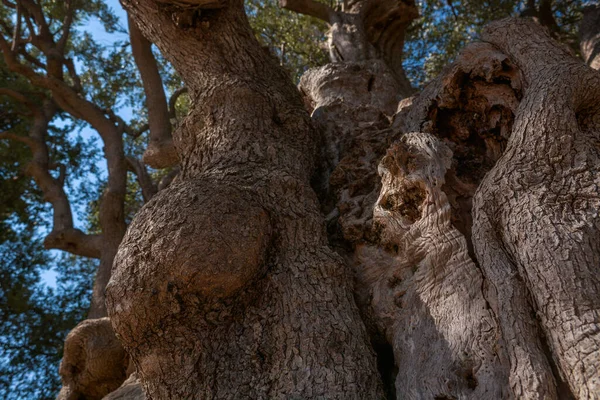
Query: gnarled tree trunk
point(536, 212)
point(224, 285)
point(475, 256)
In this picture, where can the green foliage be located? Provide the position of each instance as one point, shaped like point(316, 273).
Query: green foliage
point(446, 26)
point(296, 40)
point(34, 320)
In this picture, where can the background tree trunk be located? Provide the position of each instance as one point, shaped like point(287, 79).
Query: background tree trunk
point(365, 30)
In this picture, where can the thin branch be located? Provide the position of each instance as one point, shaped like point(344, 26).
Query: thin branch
point(144, 179)
point(73, 74)
point(546, 17)
point(13, 136)
point(9, 4)
point(17, 32)
point(66, 28)
point(20, 97)
point(62, 174)
point(31, 59)
point(36, 11)
point(160, 147)
point(173, 101)
point(30, 27)
point(124, 127)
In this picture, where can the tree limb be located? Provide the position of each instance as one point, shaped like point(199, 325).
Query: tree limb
point(111, 213)
point(160, 152)
point(17, 32)
point(18, 138)
point(9, 4)
point(20, 97)
point(66, 28)
point(63, 236)
point(74, 241)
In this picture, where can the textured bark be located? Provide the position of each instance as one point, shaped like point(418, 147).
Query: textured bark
point(429, 294)
point(94, 363)
point(471, 107)
point(524, 110)
point(131, 389)
point(589, 36)
point(351, 105)
point(526, 330)
point(224, 286)
point(536, 211)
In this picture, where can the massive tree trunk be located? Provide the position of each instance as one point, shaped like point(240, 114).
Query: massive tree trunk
point(525, 111)
point(224, 285)
point(470, 265)
point(419, 283)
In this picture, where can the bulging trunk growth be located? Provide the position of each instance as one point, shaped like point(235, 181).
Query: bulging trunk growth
point(469, 264)
point(224, 283)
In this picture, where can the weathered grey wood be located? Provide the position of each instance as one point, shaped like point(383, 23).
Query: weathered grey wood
point(428, 297)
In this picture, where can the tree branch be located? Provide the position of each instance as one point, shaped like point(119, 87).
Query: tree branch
point(20, 97)
point(63, 236)
point(160, 152)
point(66, 28)
point(17, 32)
point(74, 241)
point(309, 7)
point(9, 4)
point(111, 213)
point(36, 12)
point(18, 138)
point(145, 181)
point(173, 101)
